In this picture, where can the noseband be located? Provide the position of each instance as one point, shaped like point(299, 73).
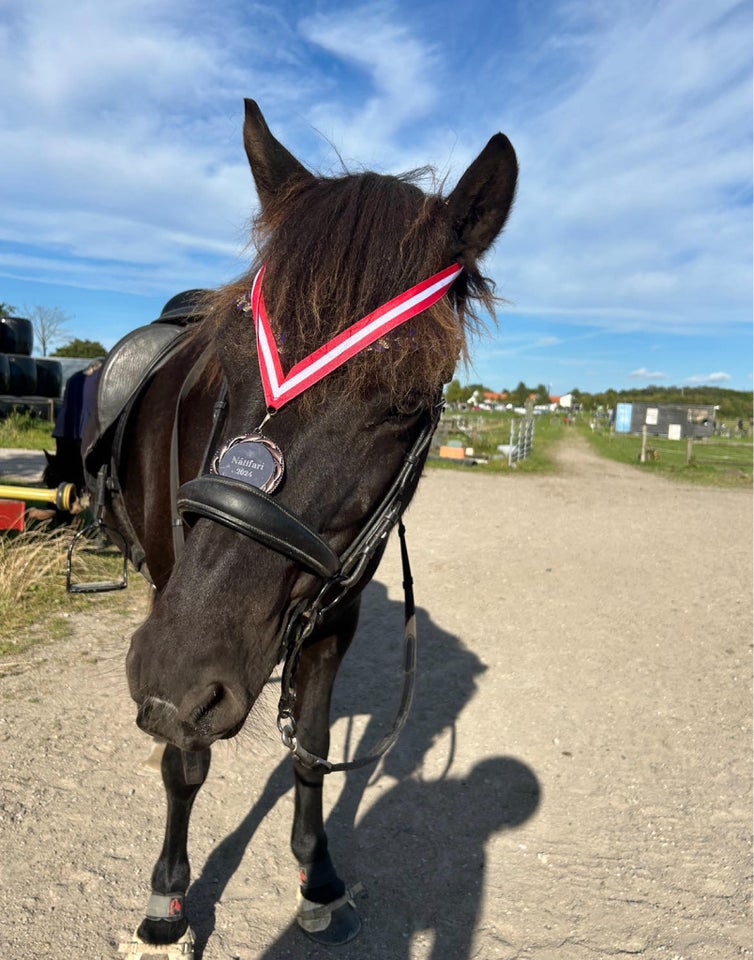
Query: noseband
point(255, 514)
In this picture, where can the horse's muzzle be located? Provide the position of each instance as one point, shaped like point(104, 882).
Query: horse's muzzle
point(211, 712)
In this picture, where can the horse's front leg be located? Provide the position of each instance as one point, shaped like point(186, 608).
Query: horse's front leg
point(325, 910)
point(165, 921)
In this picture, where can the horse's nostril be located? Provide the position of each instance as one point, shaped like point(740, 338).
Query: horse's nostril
point(208, 712)
point(213, 699)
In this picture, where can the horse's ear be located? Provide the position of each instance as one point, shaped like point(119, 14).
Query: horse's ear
point(480, 203)
point(50, 457)
point(271, 164)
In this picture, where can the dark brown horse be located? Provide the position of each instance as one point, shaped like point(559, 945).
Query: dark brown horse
point(228, 606)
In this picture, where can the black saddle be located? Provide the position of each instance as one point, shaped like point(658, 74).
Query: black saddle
point(128, 367)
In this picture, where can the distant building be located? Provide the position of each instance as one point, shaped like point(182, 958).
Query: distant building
point(673, 420)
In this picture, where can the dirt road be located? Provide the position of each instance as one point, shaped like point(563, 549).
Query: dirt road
point(574, 782)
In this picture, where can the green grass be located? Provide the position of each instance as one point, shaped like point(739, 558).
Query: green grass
point(489, 429)
point(719, 462)
point(24, 432)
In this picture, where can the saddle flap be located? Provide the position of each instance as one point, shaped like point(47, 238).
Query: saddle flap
point(128, 365)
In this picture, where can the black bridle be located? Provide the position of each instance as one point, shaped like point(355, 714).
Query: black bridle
point(253, 513)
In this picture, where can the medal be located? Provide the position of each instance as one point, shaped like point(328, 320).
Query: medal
point(252, 459)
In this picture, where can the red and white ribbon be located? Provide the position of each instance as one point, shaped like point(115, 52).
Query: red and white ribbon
point(279, 388)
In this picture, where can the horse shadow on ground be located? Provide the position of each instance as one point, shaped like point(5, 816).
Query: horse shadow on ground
point(420, 847)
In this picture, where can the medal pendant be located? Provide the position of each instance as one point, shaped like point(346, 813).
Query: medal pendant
point(253, 459)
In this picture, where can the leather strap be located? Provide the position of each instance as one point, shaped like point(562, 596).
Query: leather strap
point(188, 384)
point(253, 513)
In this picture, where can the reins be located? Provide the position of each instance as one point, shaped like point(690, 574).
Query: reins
point(354, 563)
point(304, 624)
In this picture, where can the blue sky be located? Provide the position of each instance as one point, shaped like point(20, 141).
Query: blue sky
point(627, 259)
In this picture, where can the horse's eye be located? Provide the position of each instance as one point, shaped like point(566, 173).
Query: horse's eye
point(400, 415)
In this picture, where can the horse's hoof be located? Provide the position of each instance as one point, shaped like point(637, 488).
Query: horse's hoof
point(137, 949)
point(333, 923)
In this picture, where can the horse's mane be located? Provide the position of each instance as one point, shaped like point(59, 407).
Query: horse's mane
point(336, 249)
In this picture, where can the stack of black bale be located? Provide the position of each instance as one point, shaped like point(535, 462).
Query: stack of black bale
point(27, 383)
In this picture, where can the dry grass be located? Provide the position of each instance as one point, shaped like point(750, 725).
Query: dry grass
point(34, 605)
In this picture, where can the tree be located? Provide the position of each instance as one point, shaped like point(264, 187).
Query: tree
point(81, 348)
point(6, 310)
point(541, 395)
point(50, 325)
point(454, 392)
point(521, 394)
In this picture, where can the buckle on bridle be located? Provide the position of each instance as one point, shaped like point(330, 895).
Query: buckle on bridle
point(340, 584)
point(287, 728)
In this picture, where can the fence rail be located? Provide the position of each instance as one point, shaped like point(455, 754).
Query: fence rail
point(733, 453)
point(710, 451)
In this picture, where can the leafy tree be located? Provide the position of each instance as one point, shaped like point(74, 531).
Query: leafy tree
point(521, 394)
point(541, 395)
point(6, 310)
point(50, 325)
point(81, 348)
point(454, 392)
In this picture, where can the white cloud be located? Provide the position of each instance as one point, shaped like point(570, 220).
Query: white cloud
point(121, 142)
point(399, 87)
point(635, 181)
point(643, 374)
point(718, 377)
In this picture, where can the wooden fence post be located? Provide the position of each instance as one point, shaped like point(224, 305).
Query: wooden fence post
point(643, 455)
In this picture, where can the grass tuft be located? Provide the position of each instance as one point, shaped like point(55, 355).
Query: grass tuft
point(23, 431)
point(34, 605)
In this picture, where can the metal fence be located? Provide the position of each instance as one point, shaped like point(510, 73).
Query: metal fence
point(522, 440)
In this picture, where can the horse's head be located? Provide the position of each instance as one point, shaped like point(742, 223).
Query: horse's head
point(334, 251)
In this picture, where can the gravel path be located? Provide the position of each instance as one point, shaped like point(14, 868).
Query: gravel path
point(22, 466)
point(574, 781)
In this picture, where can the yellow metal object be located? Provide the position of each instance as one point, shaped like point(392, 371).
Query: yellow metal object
point(63, 497)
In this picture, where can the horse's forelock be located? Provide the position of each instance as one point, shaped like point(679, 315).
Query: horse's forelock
point(337, 249)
